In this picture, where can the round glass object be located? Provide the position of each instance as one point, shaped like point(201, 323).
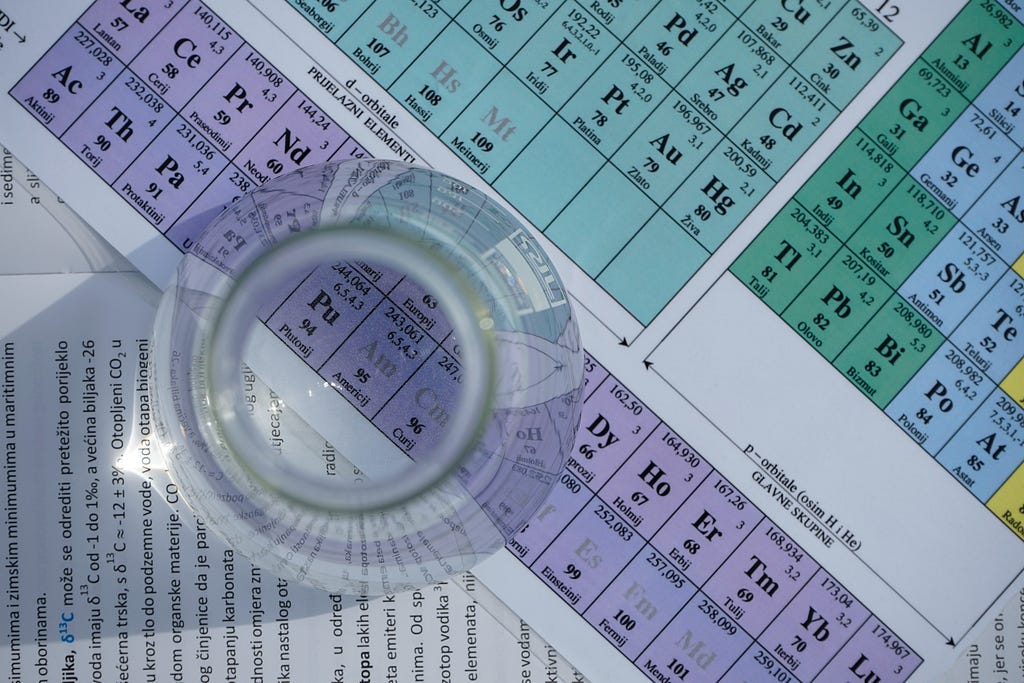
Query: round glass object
point(368, 376)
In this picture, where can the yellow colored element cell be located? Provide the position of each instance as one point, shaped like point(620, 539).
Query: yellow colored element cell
point(1013, 383)
point(1018, 266)
point(1008, 502)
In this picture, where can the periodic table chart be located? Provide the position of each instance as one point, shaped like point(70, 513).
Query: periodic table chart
point(919, 217)
point(687, 117)
point(177, 115)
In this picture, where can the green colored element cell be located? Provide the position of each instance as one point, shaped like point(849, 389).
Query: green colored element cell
point(556, 60)
point(331, 20)
point(716, 197)
point(901, 232)
point(785, 256)
point(913, 114)
point(389, 35)
point(548, 173)
point(652, 267)
point(974, 46)
point(497, 125)
point(727, 82)
point(883, 357)
point(849, 185)
point(600, 220)
point(837, 303)
point(789, 26)
point(666, 148)
point(502, 28)
point(674, 36)
point(847, 53)
point(613, 102)
point(444, 78)
point(783, 124)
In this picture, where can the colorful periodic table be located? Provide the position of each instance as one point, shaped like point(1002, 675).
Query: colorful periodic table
point(666, 559)
point(900, 259)
point(650, 544)
point(685, 115)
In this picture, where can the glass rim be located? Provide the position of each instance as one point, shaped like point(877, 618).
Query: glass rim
point(236, 317)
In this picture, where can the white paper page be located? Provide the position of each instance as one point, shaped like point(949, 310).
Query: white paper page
point(893, 595)
point(109, 576)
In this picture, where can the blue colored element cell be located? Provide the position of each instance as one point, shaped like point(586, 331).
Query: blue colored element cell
point(992, 335)
point(944, 392)
point(988, 448)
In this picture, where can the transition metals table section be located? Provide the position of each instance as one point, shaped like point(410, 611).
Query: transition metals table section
point(668, 561)
point(636, 138)
point(900, 260)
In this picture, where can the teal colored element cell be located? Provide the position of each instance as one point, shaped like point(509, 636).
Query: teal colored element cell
point(900, 233)
point(890, 349)
point(600, 220)
point(964, 161)
point(988, 448)
point(785, 256)
point(788, 27)
point(952, 279)
point(727, 82)
point(612, 103)
point(675, 36)
point(652, 267)
point(736, 7)
point(549, 172)
point(331, 19)
point(390, 35)
point(666, 148)
point(783, 124)
point(442, 80)
point(718, 195)
point(974, 46)
point(850, 184)
point(556, 61)
point(502, 28)
point(939, 398)
point(992, 332)
point(847, 53)
point(497, 125)
point(614, 15)
point(913, 114)
point(836, 304)
point(1002, 100)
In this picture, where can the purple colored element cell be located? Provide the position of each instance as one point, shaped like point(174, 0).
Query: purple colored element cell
point(118, 126)
point(641, 600)
point(655, 480)
point(699, 644)
point(322, 311)
point(185, 54)
point(294, 137)
point(814, 626)
point(873, 654)
point(761, 577)
point(67, 79)
point(568, 497)
point(613, 424)
point(588, 554)
point(707, 528)
point(169, 174)
point(126, 27)
point(380, 356)
point(239, 100)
